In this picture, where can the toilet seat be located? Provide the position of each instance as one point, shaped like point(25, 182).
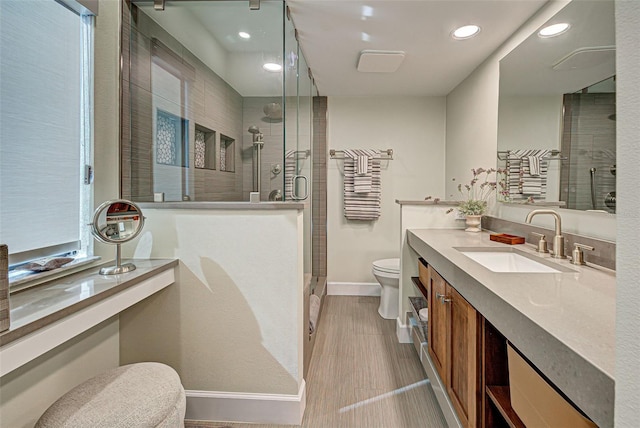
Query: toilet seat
point(388, 266)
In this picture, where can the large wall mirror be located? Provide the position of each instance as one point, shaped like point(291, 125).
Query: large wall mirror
point(556, 121)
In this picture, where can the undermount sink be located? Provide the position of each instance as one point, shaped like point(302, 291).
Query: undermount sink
point(510, 260)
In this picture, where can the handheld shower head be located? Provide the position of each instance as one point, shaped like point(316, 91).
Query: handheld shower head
point(257, 135)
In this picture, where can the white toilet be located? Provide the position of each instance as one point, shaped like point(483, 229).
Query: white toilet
point(387, 272)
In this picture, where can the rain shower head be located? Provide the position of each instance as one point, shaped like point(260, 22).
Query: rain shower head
point(254, 130)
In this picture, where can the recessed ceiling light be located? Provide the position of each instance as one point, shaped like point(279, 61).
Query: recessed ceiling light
point(465, 32)
point(272, 66)
point(244, 35)
point(554, 30)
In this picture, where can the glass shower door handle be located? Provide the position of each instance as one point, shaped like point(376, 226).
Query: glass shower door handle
point(294, 188)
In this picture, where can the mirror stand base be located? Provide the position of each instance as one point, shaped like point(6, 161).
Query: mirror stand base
point(115, 270)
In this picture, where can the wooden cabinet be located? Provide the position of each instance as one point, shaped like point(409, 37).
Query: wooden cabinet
point(454, 347)
point(437, 288)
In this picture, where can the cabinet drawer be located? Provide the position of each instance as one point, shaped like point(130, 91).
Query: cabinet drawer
point(417, 303)
point(417, 340)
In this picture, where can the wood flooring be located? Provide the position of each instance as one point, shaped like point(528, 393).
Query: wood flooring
point(360, 376)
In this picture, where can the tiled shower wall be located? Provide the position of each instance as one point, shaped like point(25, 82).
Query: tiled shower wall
point(272, 151)
point(201, 97)
point(319, 193)
point(589, 141)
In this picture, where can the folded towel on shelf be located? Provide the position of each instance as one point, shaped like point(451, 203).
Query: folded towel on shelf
point(314, 312)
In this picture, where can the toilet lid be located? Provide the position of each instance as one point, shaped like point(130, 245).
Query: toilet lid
point(387, 265)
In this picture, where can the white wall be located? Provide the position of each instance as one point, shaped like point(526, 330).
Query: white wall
point(106, 110)
point(529, 122)
point(628, 149)
point(472, 127)
point(414, 128)
point(233, 321)
point(29, 390)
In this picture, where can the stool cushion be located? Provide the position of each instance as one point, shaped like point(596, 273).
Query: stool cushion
point(135, 395)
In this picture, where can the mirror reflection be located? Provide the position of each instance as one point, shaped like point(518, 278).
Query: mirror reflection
point(117, 222)
point(556, 123)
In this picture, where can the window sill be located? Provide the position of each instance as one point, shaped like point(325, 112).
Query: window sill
point(24, 279)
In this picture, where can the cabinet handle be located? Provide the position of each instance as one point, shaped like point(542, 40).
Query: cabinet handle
point(442, 298)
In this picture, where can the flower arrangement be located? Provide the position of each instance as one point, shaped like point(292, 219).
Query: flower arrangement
point(476, 194)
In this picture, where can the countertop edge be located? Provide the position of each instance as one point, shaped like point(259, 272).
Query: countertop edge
point(253, 206)
point(430, 202)
point(547, 352)
point(12, 335)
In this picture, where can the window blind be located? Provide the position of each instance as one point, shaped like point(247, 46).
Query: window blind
point(40, 124)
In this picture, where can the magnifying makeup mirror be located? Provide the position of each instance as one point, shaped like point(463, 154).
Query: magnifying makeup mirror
point(115, 222)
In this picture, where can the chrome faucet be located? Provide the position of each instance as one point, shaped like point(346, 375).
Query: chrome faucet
point(558, 240)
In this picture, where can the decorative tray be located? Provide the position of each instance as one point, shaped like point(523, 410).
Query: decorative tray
point(506, 238)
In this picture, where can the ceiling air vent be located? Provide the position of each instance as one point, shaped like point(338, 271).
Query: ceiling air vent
point(587, 57)
point(372, 61)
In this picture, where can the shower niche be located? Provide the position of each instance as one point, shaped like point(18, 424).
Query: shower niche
point(205, 148)
point(227, 154)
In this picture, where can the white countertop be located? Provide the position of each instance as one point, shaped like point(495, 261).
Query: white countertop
point(563, 322)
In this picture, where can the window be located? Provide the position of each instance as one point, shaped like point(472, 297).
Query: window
point(45, 129)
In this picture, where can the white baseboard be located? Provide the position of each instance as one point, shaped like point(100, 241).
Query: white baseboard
point(353, 289)
point(403, 331)
point(280, 409)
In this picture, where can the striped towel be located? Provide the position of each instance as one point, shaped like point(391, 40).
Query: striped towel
point(527, 173)
point(359, 205)
point(363, 178)
point(289, 173)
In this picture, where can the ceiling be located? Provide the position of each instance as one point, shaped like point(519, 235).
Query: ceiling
point(333, 32)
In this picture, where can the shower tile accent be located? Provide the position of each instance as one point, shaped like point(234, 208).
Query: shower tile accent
point(199, 149)
point(4, 288)
point(223, 157)
point(319, 192)
point(167, 138)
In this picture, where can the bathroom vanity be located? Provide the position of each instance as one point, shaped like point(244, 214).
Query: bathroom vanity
point(562, 323)
point(47, 315)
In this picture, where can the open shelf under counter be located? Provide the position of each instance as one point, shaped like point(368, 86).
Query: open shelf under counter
point(420, 286)
point(500, 396)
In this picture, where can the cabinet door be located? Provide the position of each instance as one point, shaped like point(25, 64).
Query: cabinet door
point(437, 323)
point(464, 380)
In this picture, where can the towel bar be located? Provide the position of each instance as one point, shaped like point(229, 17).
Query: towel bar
point(333, 154)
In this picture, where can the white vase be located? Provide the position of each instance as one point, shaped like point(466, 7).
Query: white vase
point(473, 223)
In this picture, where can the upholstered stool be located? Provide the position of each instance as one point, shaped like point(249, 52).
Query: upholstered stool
point(136, 395)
